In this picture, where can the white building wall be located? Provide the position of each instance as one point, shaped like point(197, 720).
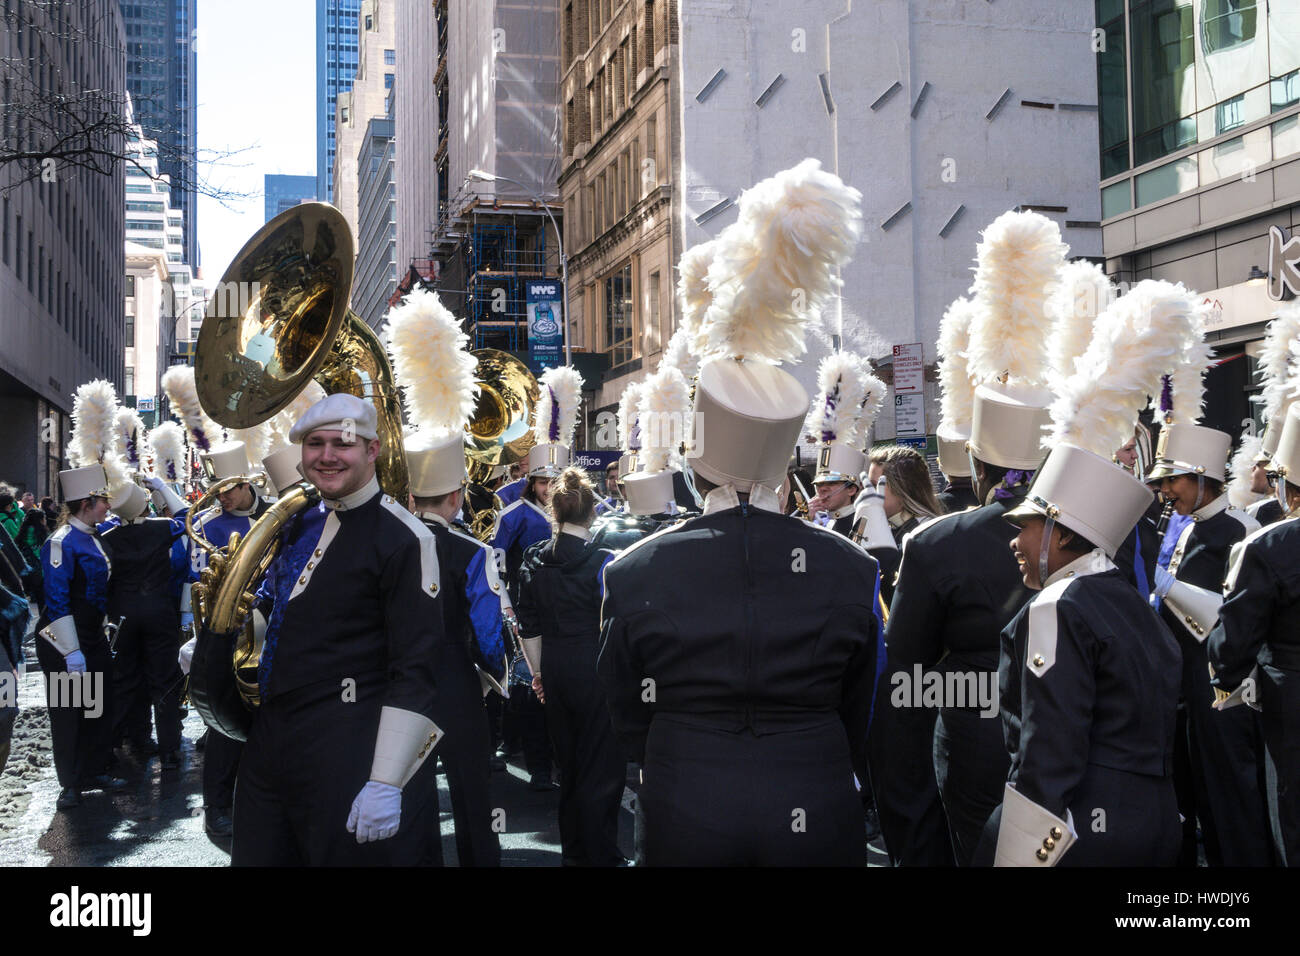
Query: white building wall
point(938, 155)
point(416, 119)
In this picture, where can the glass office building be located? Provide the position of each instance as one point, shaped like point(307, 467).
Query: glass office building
point(336, 65)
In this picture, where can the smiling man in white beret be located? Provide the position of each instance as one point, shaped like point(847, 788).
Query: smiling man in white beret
point(335, 771)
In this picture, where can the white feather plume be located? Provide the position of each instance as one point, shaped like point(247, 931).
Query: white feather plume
point(431, 363)
point(167, 441)
point(283, 421)
point(1080, 293)
point(1017, 259)
point(693, 292)
point(873, 402)
point(837, 408)
point(1279, 357)
point(1137, 339)
point(1188, 376)
point(557, 405)
point(1239, 472)
point(178, 384)
point(775, 266)
point(628, 409)
point(679, 354)
point(665, 410)
point(94, 431)
point(131, 439)
point(956, 391)
point(257, 441)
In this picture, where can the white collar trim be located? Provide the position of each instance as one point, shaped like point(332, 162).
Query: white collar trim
point(1094, 562)
point(356, 499)
point(434, 516)
point(725, 497)
point(81, 525)
point(1216, 506)
point(577, 530)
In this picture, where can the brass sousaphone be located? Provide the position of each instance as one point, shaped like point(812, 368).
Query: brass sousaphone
point(499, 432)
point(278, 319)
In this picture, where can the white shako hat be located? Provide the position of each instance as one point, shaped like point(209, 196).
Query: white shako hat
point(748, 416)
point(282, 465)
point(1279, 373)
point(649, 493)
point(228, 460)
point(1088, 494)
point(1007, 425)
point(1286, 460)
point(839, 462)
point(629, 431)
point(436, 463)
point(130, 502)
point(1079, 485)
point(1272, 435)
point(1018, 262)
point(1184, 449)
point(560, 394)
point(848, 400)
point(338, 412)
point(84, 482)
point(953, 460)
point(664, 409)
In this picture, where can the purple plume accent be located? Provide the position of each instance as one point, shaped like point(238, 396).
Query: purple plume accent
point(555, 416)
point(200, 439)
point(832, 398)
point(634, 436)
point(132, 456)
point(1013, 480)
point(171, 470)
point(1166, 393)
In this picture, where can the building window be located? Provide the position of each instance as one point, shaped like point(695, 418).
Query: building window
point(390, 58)
point(619, 320)
point(128, 381)
point(388, 81)
point(1226, 23)
point(130, 332)
point(652, 310)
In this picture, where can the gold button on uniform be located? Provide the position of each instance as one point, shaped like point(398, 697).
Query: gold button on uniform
point(1039, 660)
point(303, 579)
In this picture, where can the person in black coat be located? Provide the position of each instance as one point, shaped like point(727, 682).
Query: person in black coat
point(1220, 753)
point(559, 601)
point(1256, 644)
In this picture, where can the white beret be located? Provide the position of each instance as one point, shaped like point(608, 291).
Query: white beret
point(339, 412)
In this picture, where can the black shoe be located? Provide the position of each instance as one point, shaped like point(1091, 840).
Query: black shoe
point(201, 742)
point(171, 760)
point(216, 820)
point(107, 782)
point(542, 783)
point(68, 798)
point(497, 763)
point(873, 825)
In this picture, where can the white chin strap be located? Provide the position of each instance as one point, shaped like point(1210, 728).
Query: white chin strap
point(689, 474)
point(1281, 494)
point(1044, 549)
point(1200, 493)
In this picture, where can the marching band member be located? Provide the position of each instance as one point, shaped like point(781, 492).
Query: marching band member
point(958, 585)
point(956, 397)
point(1221, 751)
point(1280, 377)
point(77, 568)
point(840, 420)
point(334, 770)
point(1088, 675)
point(437, 375)
point(899, 474)
point(1254, 649)
point(748, 743)
point(559, 601)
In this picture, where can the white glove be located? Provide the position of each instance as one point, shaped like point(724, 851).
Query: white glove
point(76, 662)
point(870, 521)
point(154, 482)
point(1164, 581)
point(376, 812)
point(186, 656)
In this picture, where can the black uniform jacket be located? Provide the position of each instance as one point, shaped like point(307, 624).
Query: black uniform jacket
point(958, 496)
point(1204, 562)
point(742, 618)
point(559, 589)
point(1088, 677)
point(1260, 618)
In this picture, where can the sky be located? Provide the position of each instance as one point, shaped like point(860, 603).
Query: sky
point(256, 92)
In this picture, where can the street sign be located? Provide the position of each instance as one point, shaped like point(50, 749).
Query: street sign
point(909, 417)
point(909, 369)
point(545, 305)
point(144, 404)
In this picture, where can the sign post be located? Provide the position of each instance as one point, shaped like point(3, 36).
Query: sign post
point(544, 302)
point(909, 395)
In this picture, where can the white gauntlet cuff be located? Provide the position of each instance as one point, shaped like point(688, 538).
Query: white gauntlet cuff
point(870, 525)
point(1197, 608)
point(63, 635)
point(1029, 834)
point(405, 738)
point(166, 500)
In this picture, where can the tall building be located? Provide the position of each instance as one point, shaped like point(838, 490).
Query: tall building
point(421, 137)
point(367, 99)
point(496, 78)
point(336, 64)
point(672, 109)
point(161, 71)
point(62, 264)
point(284, 192)
point(375, 278)
point(1200, 157)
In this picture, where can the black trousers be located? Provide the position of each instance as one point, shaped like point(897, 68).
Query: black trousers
point(970, 766)
point(146, 668)
point(82, 739)
point(524, 723)
point(593, 768)
point(1224, 757)
point(1121, 818)
point(465, 751)
point(1279, 696)
point(715, 797)
point(912, 821)
point(306, 759)
point(220, 767)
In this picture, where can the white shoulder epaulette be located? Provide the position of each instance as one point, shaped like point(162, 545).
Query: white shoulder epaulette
point(1246, 520)
point(1040, 654)
point(430, 580)
point(56, 545)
